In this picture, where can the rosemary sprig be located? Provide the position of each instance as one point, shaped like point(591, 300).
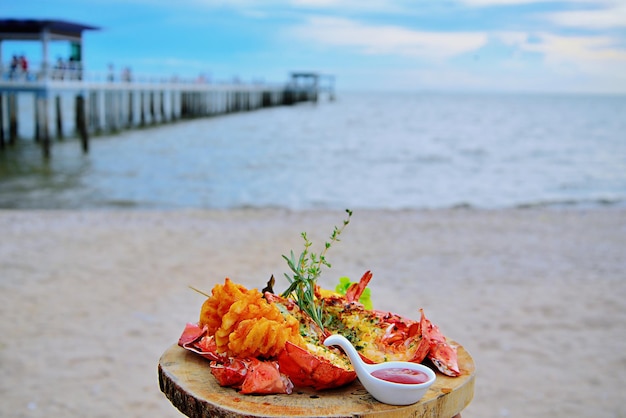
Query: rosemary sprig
point(306, 270)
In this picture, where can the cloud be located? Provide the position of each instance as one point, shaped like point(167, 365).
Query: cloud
point(386, 39)
point(599, 50)
point(296, 4)
point(613, 15)
point(314, 3)
point(593, 53)
point(493, 3)
point(487, 3)
point(597, 14)
point(570, 62)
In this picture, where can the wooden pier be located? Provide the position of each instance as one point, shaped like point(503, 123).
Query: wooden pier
point(106, 105)
point(111, 107)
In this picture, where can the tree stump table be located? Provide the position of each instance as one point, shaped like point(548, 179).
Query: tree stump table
point(186, 380)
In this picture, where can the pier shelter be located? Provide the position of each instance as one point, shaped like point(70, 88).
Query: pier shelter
point(44, 31)
point(310, 84)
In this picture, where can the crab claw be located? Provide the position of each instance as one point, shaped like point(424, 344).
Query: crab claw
point(441, 353)
point(444, 357)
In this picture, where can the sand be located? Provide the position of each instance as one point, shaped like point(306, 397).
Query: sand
point(90, 300)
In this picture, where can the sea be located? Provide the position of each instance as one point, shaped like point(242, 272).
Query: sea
point(383, 150)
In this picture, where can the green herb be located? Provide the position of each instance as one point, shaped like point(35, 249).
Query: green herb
point(306, 270)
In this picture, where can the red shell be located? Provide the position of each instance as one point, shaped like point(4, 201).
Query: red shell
point(306, 369)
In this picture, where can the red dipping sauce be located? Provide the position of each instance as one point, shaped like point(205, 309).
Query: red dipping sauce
point(401, 375)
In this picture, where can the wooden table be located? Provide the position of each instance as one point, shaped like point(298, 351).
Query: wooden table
point(186, 380)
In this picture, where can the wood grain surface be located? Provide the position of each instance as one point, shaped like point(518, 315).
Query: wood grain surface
point(186, 380)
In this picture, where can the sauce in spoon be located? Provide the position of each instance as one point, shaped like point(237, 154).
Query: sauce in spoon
point(401, 375)
point(393, 382)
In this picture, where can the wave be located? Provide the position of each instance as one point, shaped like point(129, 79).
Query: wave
point(581, 203)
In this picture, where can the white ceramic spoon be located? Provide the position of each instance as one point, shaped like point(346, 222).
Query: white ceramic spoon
point(383, 390)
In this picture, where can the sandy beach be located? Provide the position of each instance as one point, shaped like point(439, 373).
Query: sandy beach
point(89, 300)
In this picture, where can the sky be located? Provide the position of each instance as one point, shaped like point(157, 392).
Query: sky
point(568, 46)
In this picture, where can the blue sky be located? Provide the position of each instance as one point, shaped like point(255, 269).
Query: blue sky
point(484, 45)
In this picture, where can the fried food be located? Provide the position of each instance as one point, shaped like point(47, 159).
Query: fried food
point(259, 337)
point(245, 324)
point(216, 306)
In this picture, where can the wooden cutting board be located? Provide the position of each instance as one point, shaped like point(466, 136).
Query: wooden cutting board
point(186, 380)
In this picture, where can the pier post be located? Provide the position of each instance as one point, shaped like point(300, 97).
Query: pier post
point(119, 97)
point(183, 105)
point(94, 112)
point(173, 105)
point(236, 101)
point(107, 111)
point(162, 106)
point(151, 107)
point(131, 115)
point(41, 124)
point(36, 117)
point(115, 112)
point(142, 109)
point(1, 121)
point(110, 111)
point(59, 117)
point(81, 122)
point(267, 99)
point(116, 109)
point(12, 104)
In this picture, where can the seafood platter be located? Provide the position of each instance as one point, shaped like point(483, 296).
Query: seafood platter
point(309, 351)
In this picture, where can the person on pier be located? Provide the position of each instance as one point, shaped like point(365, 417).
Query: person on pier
point(24, 65)
point(111, 73)
point(126, 75)
point(15, 66)
point(59, 69)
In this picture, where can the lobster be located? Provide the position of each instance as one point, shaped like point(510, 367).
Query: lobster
point(377, 335)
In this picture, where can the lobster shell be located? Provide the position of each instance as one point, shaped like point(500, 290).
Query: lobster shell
point(306, 369)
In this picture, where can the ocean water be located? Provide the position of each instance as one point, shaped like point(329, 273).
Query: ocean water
point(364, 150)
